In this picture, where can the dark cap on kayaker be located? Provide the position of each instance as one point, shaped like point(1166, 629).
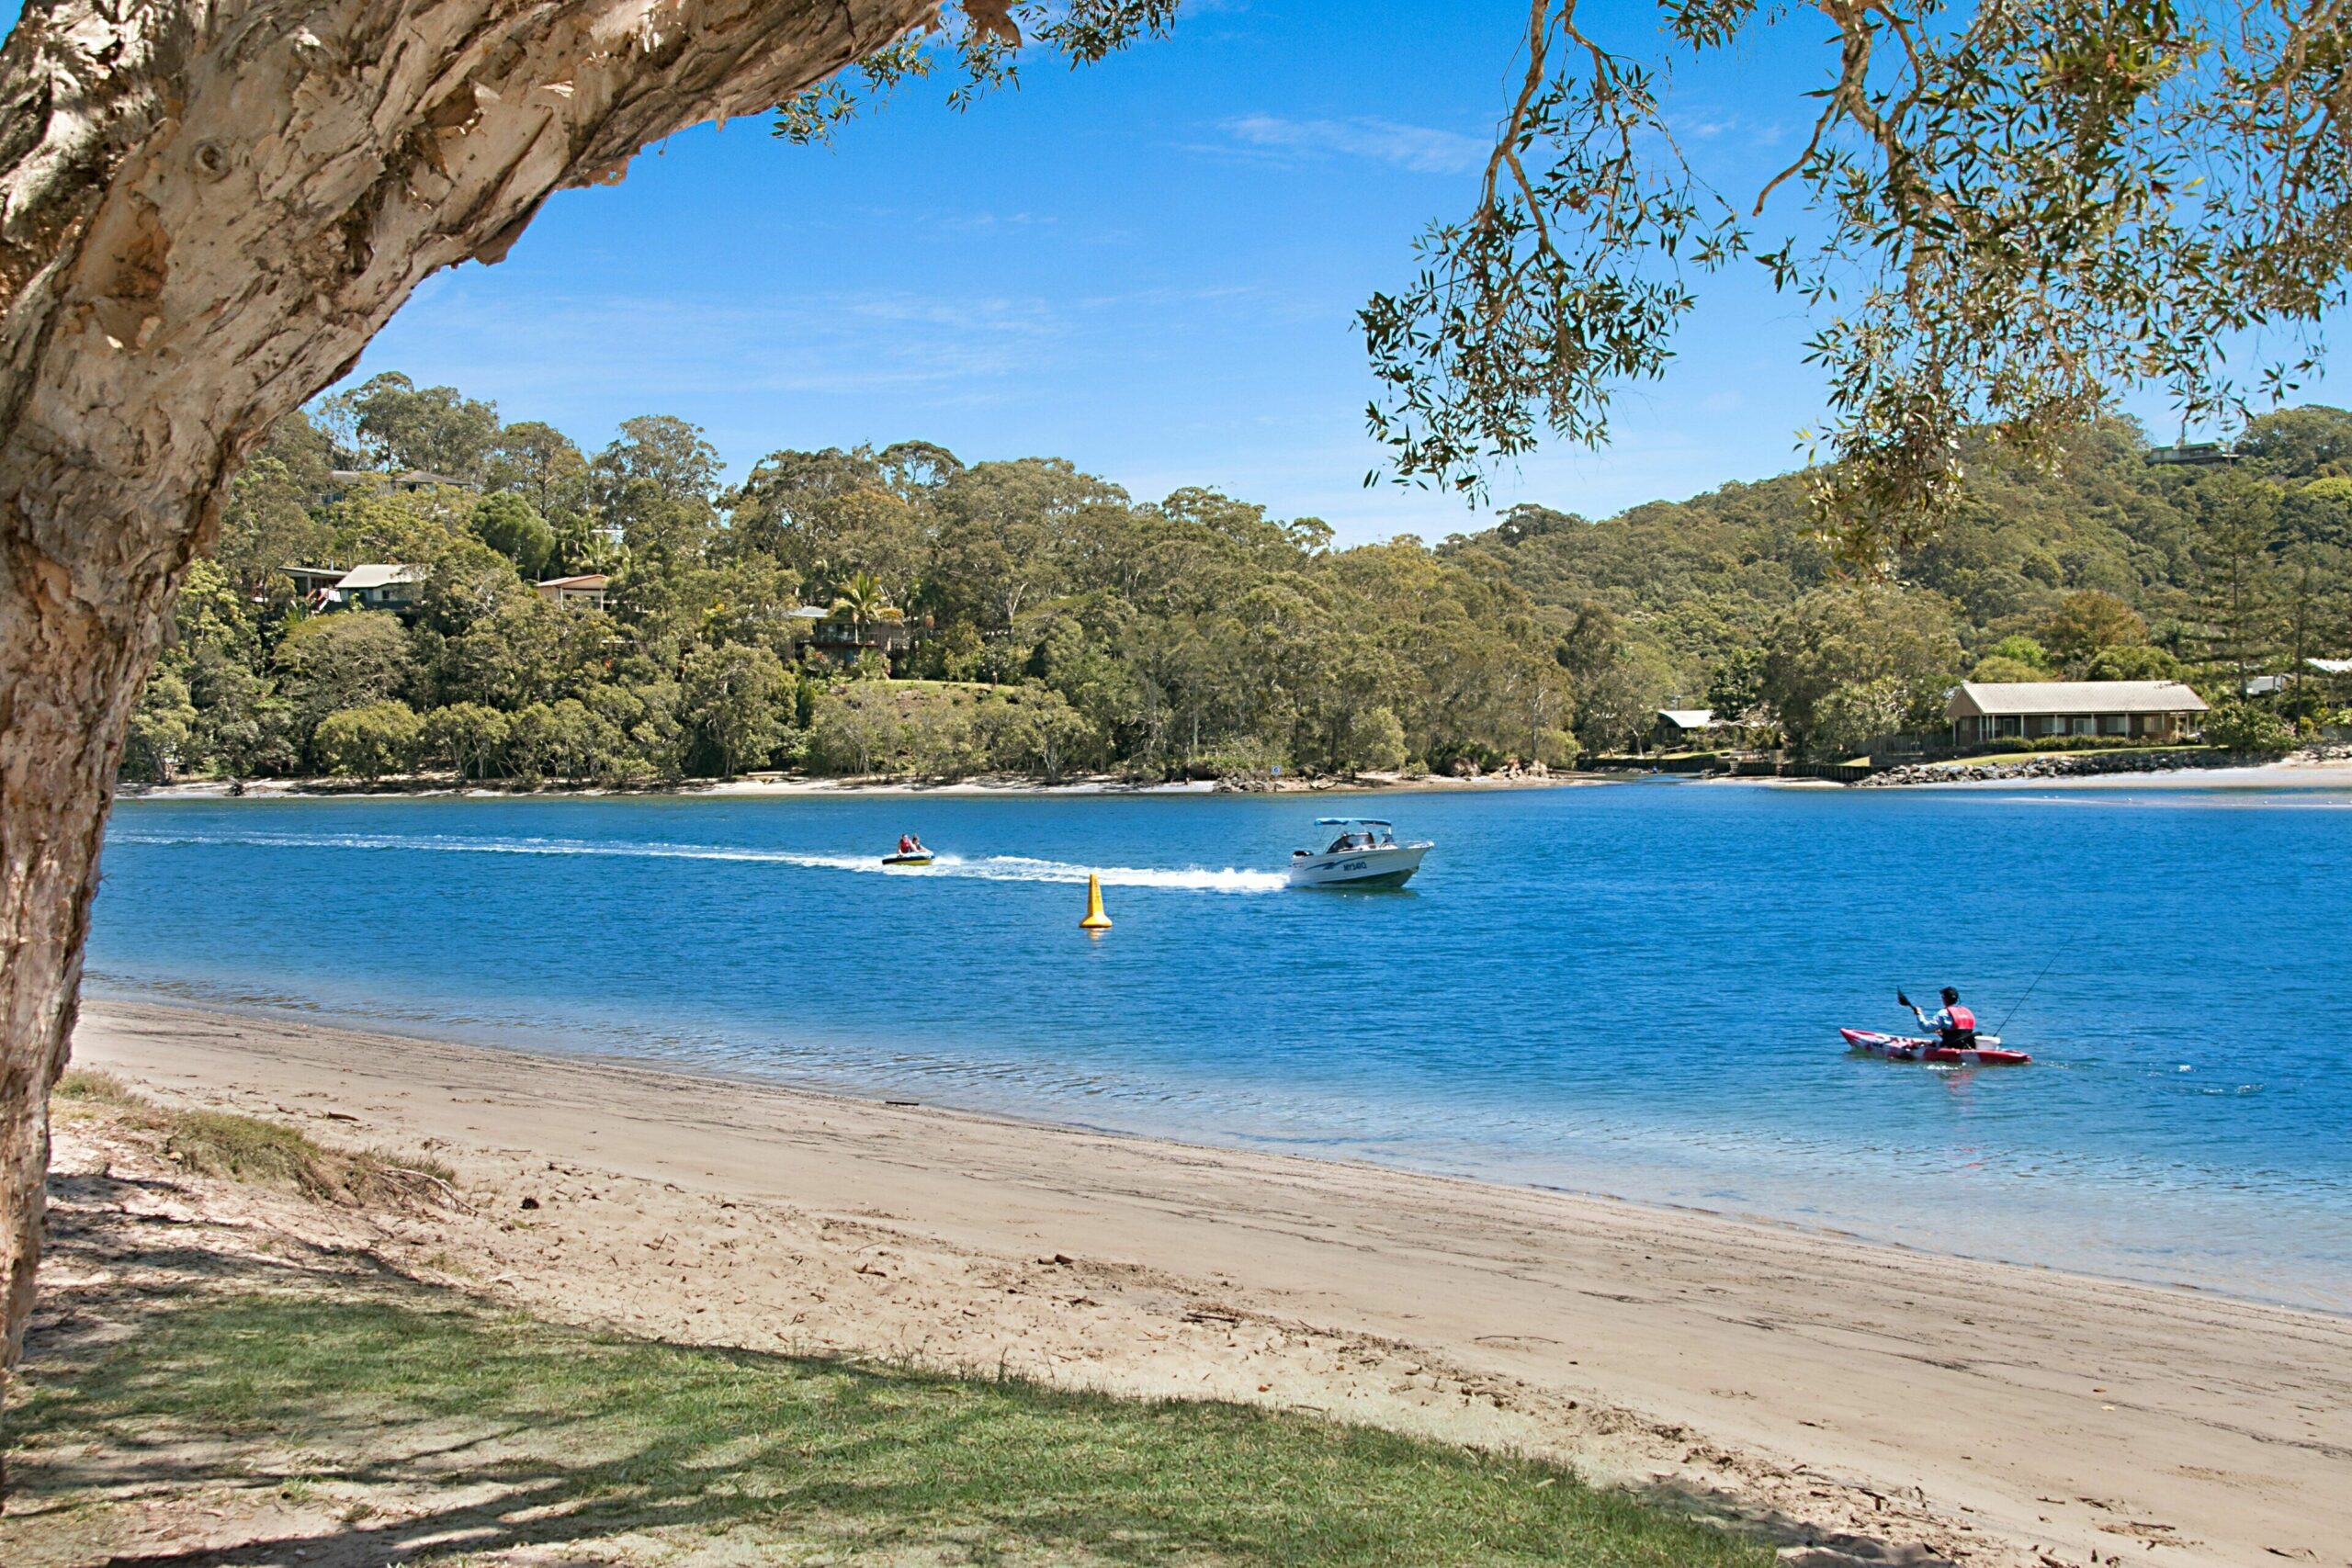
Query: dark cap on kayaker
point(1952, 994)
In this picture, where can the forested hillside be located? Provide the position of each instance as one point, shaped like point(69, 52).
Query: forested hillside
point(1023, 615)
point(1074, 627)
point(2111, 567)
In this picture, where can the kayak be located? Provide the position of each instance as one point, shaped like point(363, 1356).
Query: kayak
point(1911, 1048)
point(921, 858)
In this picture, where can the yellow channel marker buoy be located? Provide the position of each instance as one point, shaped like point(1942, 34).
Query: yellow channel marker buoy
point(1096, 920)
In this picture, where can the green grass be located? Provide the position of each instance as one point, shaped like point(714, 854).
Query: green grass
point(2062, 752)
point(592, 1437)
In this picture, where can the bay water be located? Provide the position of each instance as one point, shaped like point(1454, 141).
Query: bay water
point(1630, 989)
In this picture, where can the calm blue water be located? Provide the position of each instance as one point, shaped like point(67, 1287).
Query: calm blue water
point(1631, 989)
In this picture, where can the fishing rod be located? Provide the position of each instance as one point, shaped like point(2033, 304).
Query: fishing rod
point(2054, 957)
point(2062, 950)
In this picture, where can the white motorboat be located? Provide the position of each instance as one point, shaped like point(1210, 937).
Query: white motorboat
point(1365, 854)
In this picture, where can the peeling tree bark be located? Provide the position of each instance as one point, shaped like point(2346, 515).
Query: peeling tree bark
point(206, 211)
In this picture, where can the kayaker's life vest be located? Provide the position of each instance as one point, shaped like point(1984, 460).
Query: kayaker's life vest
point(1960, 1034)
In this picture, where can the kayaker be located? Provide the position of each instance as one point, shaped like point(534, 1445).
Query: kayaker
point(1955, 1025)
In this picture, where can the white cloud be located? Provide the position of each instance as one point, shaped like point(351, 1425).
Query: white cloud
point(1692, 125)
point(1418, 147)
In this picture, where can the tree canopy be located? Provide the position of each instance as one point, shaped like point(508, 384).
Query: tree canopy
point(2096, 565)
point(1024, 615)
point(1035, 618)
point(2002, 214)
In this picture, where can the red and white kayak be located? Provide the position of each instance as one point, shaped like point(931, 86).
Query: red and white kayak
point(1911, 1048)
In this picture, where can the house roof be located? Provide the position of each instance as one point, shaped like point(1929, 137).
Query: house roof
point(587, 581)
point(381, 574)
point(1687, 718)
point(2072, 698)
point(807, 613)
point(333, 572)
point(2330, 666)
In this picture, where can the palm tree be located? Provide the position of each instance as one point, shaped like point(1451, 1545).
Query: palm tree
point(864, 600)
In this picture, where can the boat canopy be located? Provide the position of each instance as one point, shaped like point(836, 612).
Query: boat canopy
point(1351, 822)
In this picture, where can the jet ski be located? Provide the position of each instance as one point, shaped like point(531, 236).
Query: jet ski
point(1987, 1052)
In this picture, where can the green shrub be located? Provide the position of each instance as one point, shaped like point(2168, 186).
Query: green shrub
point(2243, 726)
point(2068, 743)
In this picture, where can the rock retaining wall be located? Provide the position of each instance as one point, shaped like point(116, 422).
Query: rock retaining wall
point(2083, 764)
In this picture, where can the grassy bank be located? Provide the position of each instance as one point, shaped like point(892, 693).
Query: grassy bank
point(540, 1435)
point(248, 1148)
point(293, 1401)
point(2186, 753)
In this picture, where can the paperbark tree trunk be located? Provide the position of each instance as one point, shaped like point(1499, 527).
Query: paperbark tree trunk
point(206, 211)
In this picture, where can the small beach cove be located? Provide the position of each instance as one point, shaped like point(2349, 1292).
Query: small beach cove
point(1630, 990)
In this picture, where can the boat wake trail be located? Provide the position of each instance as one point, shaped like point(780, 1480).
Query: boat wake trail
point(984, 868)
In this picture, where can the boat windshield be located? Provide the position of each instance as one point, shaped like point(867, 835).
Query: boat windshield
point(1357, 833)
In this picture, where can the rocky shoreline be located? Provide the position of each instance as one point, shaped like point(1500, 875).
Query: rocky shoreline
point(2091, 765)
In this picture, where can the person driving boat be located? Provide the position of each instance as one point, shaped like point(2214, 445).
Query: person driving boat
point(1364, 853)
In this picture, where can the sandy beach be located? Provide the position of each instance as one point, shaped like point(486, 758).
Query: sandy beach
point(1865, 1403)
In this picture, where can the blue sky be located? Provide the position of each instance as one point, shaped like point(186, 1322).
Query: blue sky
point(1149, 266)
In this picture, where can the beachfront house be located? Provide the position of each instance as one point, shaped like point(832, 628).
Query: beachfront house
point(1686, 729)
point(2031, 710)
point(586, 591)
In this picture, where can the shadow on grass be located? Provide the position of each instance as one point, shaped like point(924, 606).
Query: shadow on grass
point(481, 1432)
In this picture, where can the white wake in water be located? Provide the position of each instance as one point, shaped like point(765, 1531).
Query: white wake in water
point(985, 868)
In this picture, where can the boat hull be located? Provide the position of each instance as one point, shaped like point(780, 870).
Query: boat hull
point(1390, 866)
point(1911, 1048)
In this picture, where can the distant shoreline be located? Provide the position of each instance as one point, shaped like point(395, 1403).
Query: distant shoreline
point(2289, 773)
point(875, 785)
